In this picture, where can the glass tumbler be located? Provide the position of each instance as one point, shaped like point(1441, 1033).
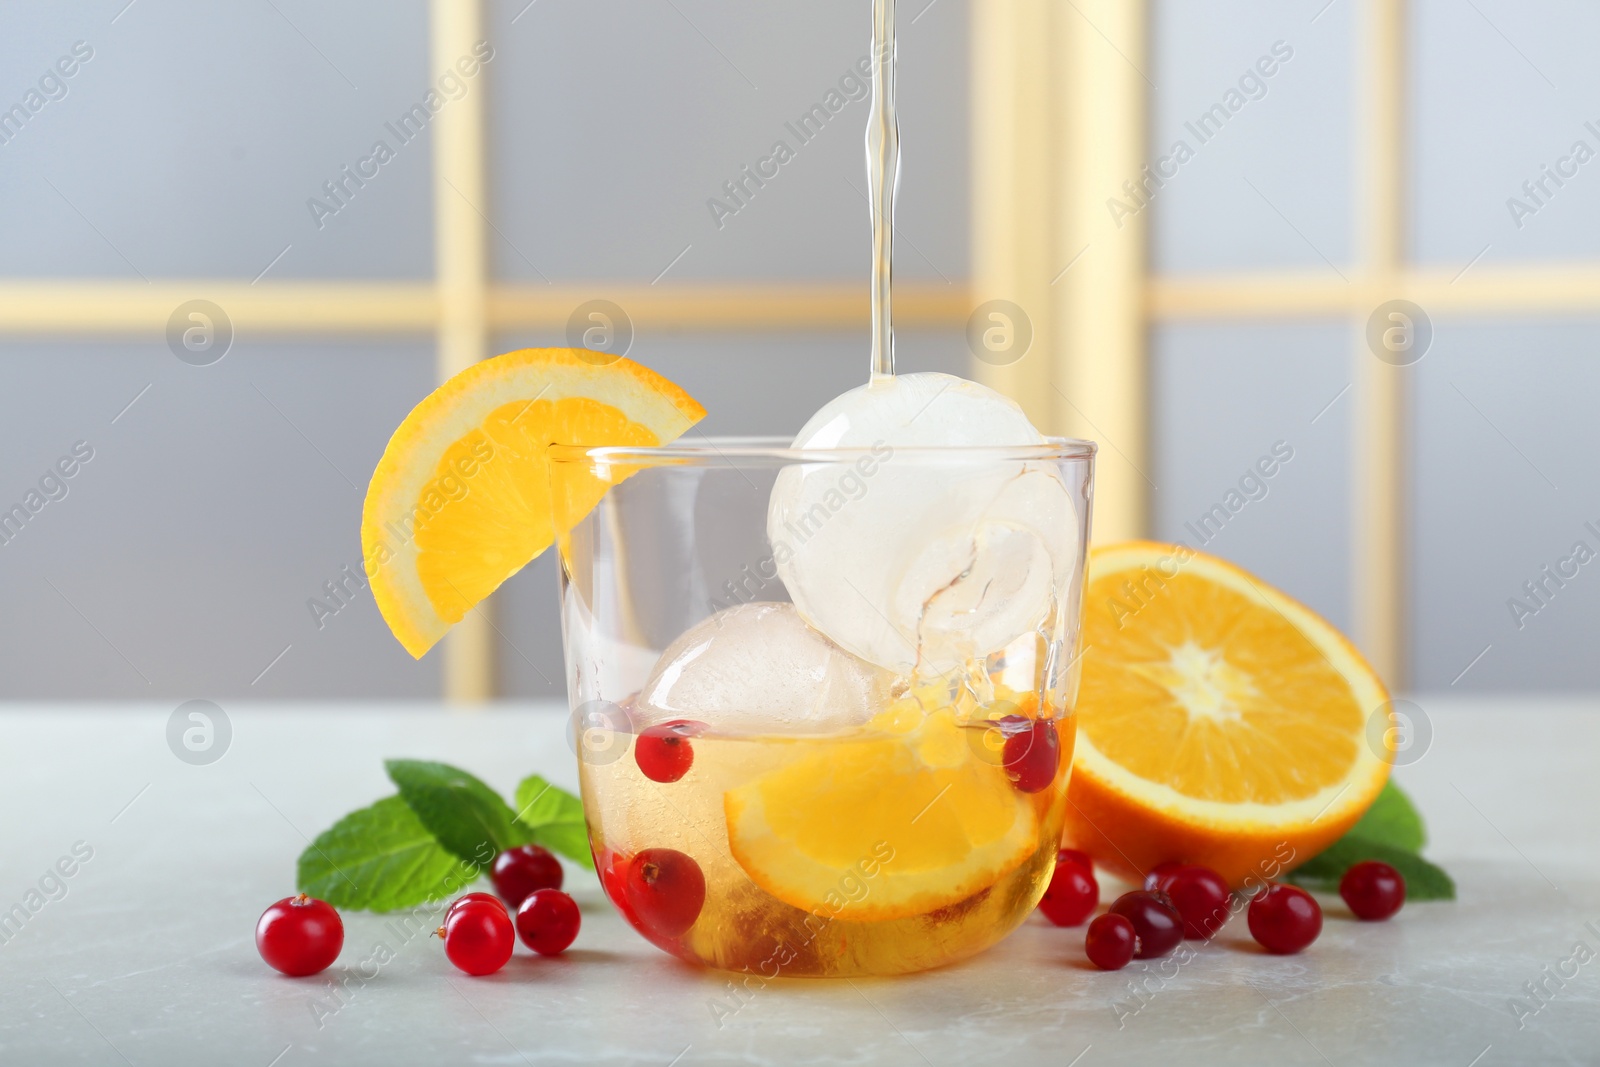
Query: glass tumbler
point(822, 700)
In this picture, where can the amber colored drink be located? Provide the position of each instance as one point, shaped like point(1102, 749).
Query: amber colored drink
point(920, 839)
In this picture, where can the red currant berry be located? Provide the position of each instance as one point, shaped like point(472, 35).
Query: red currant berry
point(523, 870)
point(1076, 858)
point(664, 753)
point(1201, 897)
point(666, 890)
point(1032, 756)
point(1284, 919)
point(1111, 942)
point(299, 935)
point(1373, 890)
point(1158, 875)
point(488, 898)
point(1073, 894)
point(613, 870)
point(478, 936)
point(548, 922)
point(1154, 919)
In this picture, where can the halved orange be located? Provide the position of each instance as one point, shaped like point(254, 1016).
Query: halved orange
point(462, 499)
point(885, 827)
point(1220, 721)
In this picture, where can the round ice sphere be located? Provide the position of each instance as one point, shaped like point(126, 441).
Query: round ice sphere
point(756, 668)
point(917, 566)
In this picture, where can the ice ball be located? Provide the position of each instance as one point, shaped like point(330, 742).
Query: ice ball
point(920, 567)
point(756, 668)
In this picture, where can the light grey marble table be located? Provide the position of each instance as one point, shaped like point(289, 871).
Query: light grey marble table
point(148, 957)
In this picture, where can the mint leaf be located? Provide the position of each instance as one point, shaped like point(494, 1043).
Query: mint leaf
point(552, 817)
point(1391, 831)
point(539, 803)
point(379, 858)
point(1424, 881)
point(467, 817)
point(1392, 820)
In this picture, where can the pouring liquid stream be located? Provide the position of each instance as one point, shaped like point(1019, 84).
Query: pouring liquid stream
point(883, 179)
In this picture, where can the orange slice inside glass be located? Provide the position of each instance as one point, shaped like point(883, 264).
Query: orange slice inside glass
point(937, 822)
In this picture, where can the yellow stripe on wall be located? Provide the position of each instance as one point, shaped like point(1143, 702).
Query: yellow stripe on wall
point(1378, 483)
point(130, 309)
point(461, 267)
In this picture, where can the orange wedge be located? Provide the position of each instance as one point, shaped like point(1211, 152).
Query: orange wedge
point(1220, 721)
point(462, 498)
point(932, 820)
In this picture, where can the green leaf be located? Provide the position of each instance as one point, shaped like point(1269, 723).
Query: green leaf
point(1424, 881)
point(552, 817)
point(467, 817)
point(1392, 820)
point(1391, 831)
point(379, 858)
point(539, 802)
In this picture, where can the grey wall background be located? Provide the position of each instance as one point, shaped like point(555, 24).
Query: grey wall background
point(179, 564)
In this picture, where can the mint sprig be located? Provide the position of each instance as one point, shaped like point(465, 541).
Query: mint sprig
point(379, 859)
point(1391, 831)
point(441, 832)
point(1392, 820)
point(468, 818)
point(553, 818)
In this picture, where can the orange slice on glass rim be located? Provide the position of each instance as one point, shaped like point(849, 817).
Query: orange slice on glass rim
point(462, 498)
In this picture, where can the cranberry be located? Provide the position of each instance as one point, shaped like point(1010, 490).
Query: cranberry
point(489, 898)
point(1373, 890)
point(1072, 896)
point(1154, 919)
point(1201, 897)
point(299, 935)
point(613, 870)
point(523, 870)
point(1032, 756)
point(1076, 858)
point(478, 936)
point(666, 890)
point(1111, 942)
point(548, 921)
point(1284, 919)
point(664, 753)
point(1158, 875)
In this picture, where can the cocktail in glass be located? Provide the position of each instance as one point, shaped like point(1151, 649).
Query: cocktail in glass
point(822, 698)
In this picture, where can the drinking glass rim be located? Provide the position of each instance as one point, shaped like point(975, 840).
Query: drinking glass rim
point(780, 450)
